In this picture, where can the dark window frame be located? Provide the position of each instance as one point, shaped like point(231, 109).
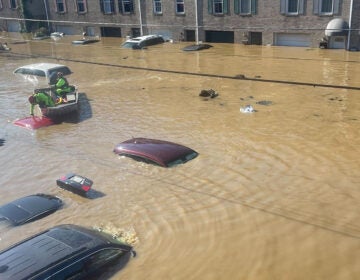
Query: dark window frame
point(81, 6)
point(60, 6)
point(13, 4)
point(107, 7)
point(126, 6)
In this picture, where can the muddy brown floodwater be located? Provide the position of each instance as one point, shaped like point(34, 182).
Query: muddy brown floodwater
point(273, 194)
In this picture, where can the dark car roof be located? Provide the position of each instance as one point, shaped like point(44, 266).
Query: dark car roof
point(197, 47)
point(164, 153)
point(30, 208)
point(25, 260)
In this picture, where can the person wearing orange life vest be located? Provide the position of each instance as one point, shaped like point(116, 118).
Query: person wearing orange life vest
point(40, 98)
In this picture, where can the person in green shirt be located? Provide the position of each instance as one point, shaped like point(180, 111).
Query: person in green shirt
point(62, 86)
point(40, 98)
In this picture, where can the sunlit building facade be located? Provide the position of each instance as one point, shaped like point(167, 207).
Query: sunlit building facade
point(305, 23)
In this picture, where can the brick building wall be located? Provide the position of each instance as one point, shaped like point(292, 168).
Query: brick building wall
point(268, 21)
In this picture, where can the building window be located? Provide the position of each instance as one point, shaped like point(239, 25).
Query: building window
point(107, 6)
point(217, 7)
point(180, 7)
point(157, 7)
point(126, 6)
point(60, 6)
point(292, 7)
point(326, 7)
point(245, 7)
point(13, 4)
point(81, 6)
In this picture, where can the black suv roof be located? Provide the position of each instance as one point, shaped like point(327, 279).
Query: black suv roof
point(64, 243)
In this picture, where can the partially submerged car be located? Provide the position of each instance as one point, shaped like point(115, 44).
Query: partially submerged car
point(197, 47)
point(42, 73)
point(62, 252)
point(75, 183)
point(29, 208)
point(143, 41)
point(85, 41)
point(163, 153)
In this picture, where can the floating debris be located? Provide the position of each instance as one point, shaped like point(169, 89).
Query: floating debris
point(128, 236)
point(246, 98)
point(335, 99)
point(208, 93)
point(264, 102)
point(240, 76)
point(247, 109)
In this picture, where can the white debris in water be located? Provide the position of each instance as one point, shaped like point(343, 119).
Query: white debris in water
point(247, 109)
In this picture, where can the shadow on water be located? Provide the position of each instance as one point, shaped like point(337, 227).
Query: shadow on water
point(93, 194)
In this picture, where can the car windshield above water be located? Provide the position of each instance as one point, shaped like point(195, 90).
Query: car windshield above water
point(163, 153)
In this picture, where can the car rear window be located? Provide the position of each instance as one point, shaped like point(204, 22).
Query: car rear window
point(65, 70)
point(69, 237)
point(29, 71)
point(183, 159)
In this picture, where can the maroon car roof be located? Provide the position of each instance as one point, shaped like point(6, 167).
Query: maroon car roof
point(162, 152)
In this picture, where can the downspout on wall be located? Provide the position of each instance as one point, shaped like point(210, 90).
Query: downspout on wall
point(350, 24)
point(140, 19)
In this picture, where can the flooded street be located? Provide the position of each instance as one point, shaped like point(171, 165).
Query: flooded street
point(273, 194)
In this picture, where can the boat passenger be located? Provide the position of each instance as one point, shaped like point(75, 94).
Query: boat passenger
point(40, 98)
point(62, 86)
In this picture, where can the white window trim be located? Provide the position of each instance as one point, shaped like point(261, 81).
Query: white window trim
point(77, 7)
point(222, 7)
point(292, 13)
point(107, 3)
point(64, 4)
point(155, 2)
point(240, 7)
point(123, 6)
point(176, 5)
point(16, 5)
point(326, 13)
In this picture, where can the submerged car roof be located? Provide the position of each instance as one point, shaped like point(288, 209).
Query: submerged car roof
point(42, 69)
point(164, 153)
point(143, 41)
point(25, 260)
point(29, 208)
point(143, 38)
